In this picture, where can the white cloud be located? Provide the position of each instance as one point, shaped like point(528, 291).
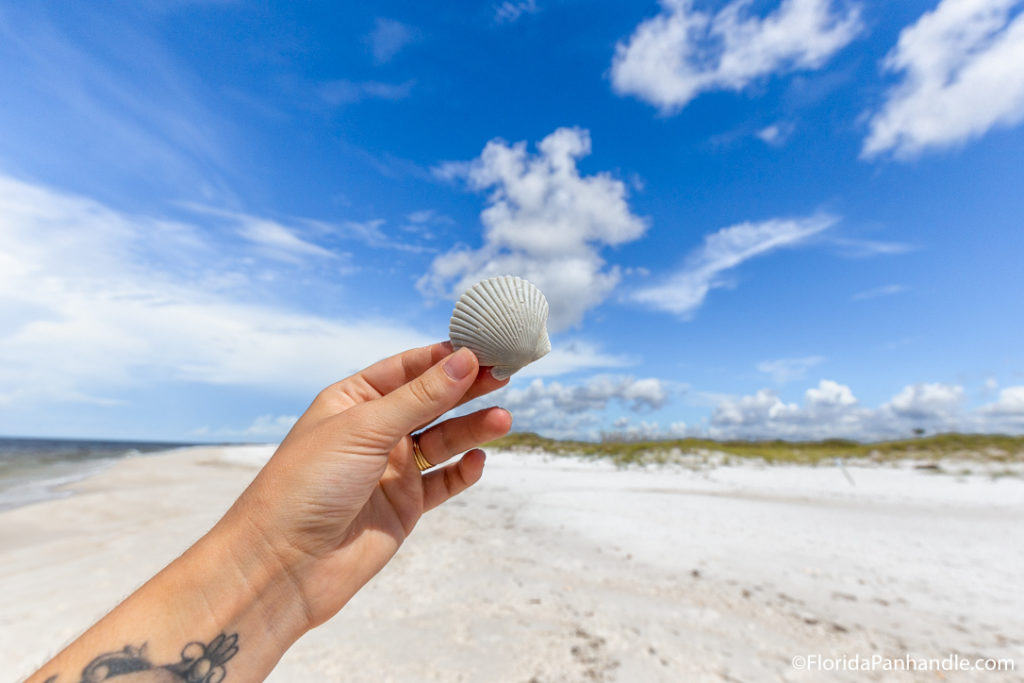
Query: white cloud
point(884, 290)
point(1005, 415)
point(961, 76)
point(783, 370)
point(830, 410)
point(592, 409)
point(95, 300)
point(368, 232)
point(350, 92)
point(776, 134)
point(1007, 412)
point(136, 115)
point(571, 411)
point(508, 12)
point(271, 425)
point(570, 355)
point(925, 401)
point(387, 39)
point(625, 429)
point(860, 248)
point(829, 395)
point(292, 242)
point(279, 238)
point(681, 52)
point(276, 240)
point(723, 250)
point(544, 222)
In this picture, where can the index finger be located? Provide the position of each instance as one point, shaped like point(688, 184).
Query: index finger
point(388, 374)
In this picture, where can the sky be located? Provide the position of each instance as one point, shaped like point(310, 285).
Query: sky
point(792, 219)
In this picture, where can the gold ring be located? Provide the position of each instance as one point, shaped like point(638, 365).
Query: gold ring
point(417, 454)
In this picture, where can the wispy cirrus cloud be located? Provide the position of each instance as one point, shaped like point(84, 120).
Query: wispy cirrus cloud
point(295, 240)
point(884, 290)
point(112, 81)
point(572, 355)
point(344, 91)
point(784, 370)
point(851, 247)
point(673, 57)
point(509, 12)
point(960, 76)
point(274, 238)
point(97, 300)
point(685, 291)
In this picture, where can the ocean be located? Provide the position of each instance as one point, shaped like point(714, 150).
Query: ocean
point(32, 470)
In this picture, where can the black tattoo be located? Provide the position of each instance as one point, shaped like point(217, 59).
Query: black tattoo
point(199, 664)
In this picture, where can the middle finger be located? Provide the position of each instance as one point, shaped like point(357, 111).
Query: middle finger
point(459, 434)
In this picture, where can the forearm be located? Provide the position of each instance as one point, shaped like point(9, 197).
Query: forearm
point(328, 511)
point(227, 583)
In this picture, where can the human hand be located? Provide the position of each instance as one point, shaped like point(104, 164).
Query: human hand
point(342, 492)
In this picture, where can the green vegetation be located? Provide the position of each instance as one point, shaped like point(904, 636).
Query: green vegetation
point(978, 447)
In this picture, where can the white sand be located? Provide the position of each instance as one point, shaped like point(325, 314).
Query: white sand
point(554, 569)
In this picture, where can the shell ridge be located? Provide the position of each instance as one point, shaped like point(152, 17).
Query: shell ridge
point(503, 321)
point(498, 326)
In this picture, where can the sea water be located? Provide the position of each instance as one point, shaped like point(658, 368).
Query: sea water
point(34, 469)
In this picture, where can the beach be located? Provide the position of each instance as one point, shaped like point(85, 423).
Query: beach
point(566, 569)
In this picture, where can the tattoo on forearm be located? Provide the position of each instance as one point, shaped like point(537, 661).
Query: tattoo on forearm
point(199, 664)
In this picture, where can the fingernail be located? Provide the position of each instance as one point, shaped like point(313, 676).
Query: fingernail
point(459, 364)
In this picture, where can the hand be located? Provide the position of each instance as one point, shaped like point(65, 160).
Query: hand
point(342, 492)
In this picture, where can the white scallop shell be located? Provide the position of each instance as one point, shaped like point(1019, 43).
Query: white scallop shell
point(503, 320)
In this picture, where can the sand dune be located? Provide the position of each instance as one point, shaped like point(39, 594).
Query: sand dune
point(554, 569)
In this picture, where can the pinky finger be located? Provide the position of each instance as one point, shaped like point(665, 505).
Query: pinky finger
point(445, 482)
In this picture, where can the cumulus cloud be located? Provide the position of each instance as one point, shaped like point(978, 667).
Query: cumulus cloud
point(783, 370)
point(96, 300)
point(1006, 414)
point(621, 408)
point(544, 222)
point(702, 271)
point(682, 52)
point(926, 401)
point(830, 410)
point(626, 429)
point(961, 76)
point(573, 411)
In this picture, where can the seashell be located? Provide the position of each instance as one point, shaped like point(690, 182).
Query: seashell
point(503, 320)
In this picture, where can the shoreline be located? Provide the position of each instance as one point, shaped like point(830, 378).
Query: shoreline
point(556, 568)
point(34, 470)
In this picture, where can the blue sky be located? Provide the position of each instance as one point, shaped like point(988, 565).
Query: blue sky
point(794, 219)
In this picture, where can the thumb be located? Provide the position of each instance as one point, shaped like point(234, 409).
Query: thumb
point(433, 393)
